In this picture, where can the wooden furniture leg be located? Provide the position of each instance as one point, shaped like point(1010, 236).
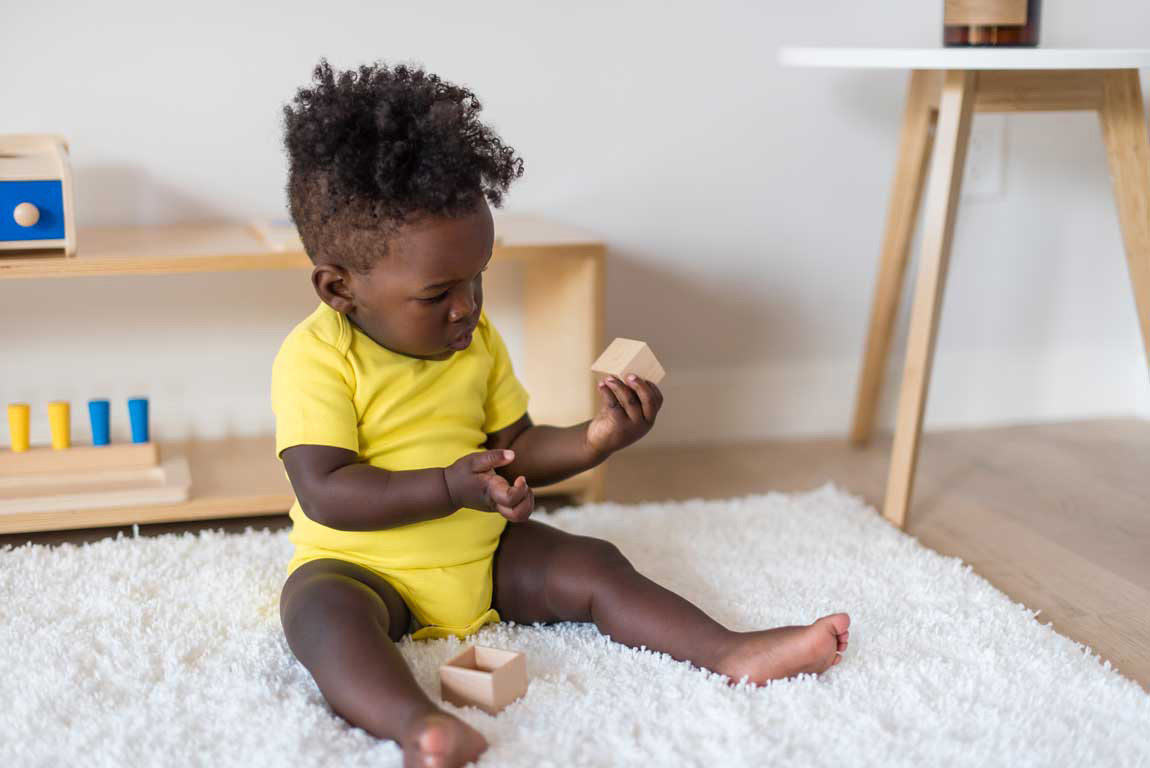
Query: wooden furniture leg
point(1128, 149)
point(563, 334)
point(914, 148)
point(952, 135)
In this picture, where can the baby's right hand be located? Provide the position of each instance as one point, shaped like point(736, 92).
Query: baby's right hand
point(473, 483)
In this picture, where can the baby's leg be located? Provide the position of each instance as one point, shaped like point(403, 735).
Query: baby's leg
point(543, 574)
point(340, 621)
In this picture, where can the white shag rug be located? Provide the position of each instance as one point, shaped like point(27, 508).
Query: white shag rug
point(142, 651)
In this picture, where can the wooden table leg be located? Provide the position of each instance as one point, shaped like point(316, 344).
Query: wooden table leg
point(1128, 149)
point(902, 212)
point(951, 138)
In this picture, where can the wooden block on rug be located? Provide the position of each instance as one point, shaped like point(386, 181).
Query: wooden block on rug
point(488, 678)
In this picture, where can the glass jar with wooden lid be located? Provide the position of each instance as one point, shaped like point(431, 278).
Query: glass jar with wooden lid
point(991, 22)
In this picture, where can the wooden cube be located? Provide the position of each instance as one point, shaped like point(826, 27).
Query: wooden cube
point(488, 678)
point(626, 356)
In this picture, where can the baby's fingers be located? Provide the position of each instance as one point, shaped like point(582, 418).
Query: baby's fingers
point(524, 508)
point(626, 398)
point(499, 491)
point(517, 492)
point(608, 394)
point(485, 461)
point(521, 510)
point(649, 397)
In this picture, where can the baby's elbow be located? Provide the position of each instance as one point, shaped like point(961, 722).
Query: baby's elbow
point(312, 510)
point(315, 503)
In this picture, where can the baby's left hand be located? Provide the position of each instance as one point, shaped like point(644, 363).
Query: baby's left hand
point(627, 413)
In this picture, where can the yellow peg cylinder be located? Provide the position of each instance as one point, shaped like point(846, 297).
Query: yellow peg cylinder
point(18, 426)
point(60, 421)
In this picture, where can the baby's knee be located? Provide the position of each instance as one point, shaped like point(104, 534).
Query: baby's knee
point(328, 606)
point(580, 570)
point(600, 556)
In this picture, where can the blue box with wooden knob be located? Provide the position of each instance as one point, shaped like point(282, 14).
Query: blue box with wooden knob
point(35, 195)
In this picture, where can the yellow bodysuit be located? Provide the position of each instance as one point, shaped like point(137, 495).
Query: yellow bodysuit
point(333, 385)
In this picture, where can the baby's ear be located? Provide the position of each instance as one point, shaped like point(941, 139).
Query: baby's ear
point(333, 286)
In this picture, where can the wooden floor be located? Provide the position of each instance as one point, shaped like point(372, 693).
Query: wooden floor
point(1056, 516)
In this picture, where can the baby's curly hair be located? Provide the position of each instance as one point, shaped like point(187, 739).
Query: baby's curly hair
point(372, 148)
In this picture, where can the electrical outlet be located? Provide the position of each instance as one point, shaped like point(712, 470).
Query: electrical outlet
point(985, 158)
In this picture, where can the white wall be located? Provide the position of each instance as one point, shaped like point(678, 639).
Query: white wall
point(743, 203)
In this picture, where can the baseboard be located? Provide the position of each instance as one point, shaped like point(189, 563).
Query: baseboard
point(969, 388)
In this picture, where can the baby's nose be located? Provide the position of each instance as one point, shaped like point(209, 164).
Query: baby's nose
point(462, 310)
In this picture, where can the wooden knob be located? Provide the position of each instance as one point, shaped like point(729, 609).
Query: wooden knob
point(26, 215)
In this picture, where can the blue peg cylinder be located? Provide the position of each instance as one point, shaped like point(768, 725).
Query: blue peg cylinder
point(98, 414)
point(138, 416)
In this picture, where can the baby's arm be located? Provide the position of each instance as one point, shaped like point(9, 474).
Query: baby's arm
point(337, 491)
point(545, 454)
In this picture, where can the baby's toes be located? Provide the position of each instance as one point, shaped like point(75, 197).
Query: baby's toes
point(442, 741)
point(837, 624)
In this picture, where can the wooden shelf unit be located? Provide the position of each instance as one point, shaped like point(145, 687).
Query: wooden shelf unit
point(231, 477)
point(563, 284)
point(234, 246)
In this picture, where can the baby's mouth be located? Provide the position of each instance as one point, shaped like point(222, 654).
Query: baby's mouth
point(463, 340)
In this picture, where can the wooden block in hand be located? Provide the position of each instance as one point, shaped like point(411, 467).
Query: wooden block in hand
point(626, 356)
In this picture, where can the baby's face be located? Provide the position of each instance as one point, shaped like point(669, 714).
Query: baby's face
point(423, 299)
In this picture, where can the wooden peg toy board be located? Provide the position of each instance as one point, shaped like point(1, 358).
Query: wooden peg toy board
point(90, 477)
point(43, 460)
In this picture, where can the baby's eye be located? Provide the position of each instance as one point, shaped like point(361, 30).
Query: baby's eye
point(436, 299)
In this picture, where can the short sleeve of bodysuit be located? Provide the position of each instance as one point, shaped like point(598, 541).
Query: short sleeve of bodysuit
point(506, 396)
point(313, 387)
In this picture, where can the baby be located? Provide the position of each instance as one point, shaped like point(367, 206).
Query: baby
point(406, 436)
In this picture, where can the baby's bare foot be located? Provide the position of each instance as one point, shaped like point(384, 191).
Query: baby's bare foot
point(787, 651)
point(439, 740)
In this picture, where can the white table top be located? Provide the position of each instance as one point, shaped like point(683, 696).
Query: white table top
point(967, 58)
